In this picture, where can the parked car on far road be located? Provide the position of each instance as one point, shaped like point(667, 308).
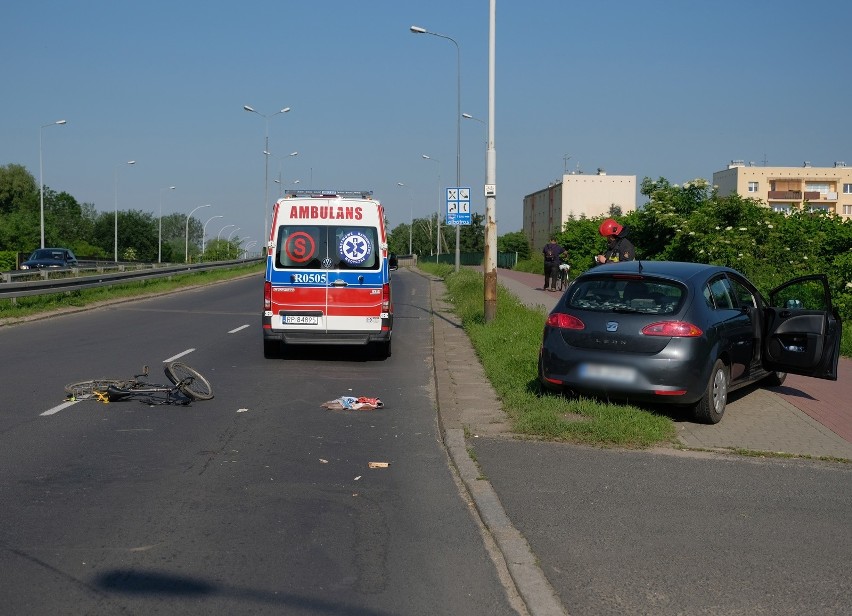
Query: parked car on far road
point(50, 258)
point(685, 334)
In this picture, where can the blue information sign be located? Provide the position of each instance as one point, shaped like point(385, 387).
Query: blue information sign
point(458, 206)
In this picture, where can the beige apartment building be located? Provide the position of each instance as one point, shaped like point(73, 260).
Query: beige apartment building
point(783, 188)
point(577, 195)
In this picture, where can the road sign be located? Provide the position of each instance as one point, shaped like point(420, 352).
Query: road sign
point(458, 206)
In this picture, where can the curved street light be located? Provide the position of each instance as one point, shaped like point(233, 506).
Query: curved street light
point(266, 161)
point(117, 167)
point(410, 215)
point(438, 222)
point(186, 249)
point(228, 241)
point(160, 234)
point(204, 231)
point(419, 30)
point(41, 173)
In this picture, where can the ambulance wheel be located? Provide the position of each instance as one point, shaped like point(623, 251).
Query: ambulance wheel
point(272, 349)
point(383, 350)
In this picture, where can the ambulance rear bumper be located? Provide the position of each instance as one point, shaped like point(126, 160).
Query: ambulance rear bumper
point(354, 338)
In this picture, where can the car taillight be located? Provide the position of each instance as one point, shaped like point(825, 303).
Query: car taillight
point(386, 297)
point(267, 296)
point(672, 329)
point(564, 321)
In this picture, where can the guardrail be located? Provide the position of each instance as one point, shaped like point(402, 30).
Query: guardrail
point(72, 279)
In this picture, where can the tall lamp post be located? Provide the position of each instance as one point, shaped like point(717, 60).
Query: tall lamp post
point(160, 234)
point(281, 160)
point(115, 241)
point(186, 249)
point(438, 222)
point(410, 215)
point(489, 264)
point(204, 231)
point(419, 30)
point(266, 166)
point(41, 173)
point(228, 241)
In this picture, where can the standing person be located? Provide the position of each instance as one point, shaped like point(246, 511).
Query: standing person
point(551, 252)
point(618, 247)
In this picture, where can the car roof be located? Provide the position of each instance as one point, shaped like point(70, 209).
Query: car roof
point(679, 270)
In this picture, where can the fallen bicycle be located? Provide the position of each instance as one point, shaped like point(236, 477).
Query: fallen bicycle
point(187, 385)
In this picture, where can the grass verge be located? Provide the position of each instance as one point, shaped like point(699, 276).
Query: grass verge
point(26, 307)
point(508, 349)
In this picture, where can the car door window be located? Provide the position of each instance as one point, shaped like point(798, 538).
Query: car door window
point(743, 294)
point(721, 293)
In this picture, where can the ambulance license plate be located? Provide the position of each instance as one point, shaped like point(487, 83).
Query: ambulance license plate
point(300, 319)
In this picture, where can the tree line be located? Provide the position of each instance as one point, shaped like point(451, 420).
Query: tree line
point(692, 222)
point(89, 233)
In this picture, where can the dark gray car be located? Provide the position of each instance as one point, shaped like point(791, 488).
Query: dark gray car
point(685, 333)
point(50, 258)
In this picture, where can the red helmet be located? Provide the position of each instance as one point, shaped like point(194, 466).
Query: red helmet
point(610, 227)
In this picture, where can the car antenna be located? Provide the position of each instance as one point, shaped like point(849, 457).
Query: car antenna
point(640, 264)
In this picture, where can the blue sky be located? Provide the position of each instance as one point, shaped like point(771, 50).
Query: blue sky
point(660, 88)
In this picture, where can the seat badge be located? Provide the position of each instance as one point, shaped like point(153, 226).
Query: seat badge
point(612, 326)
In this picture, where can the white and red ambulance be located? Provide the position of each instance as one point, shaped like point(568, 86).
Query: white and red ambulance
point(327, 278)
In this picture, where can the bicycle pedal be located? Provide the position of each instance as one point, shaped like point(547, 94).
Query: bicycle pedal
point(101, 396)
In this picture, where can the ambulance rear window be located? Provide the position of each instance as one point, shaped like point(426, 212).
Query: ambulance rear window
point(327, 247)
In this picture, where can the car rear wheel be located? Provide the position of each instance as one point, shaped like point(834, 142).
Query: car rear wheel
point(711, 407)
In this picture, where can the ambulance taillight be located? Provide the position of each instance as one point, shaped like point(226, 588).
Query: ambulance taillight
point(267, 296)
point(386, 297)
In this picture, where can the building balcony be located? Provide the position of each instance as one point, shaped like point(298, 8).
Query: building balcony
point(786, 195)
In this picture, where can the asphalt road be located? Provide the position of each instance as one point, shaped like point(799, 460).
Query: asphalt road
point(258, 501)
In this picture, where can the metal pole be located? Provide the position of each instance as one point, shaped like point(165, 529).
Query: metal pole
point(419, 30)
point(186, 249)
point(490, 261)
point(41, 175)
point(160, 233)
point(115, 240)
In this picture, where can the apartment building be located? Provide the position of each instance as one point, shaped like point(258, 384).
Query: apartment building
point(577, 195)
point(783, 188)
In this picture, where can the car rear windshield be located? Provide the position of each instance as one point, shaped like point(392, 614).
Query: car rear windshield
point(648, 296)
point(327, 247)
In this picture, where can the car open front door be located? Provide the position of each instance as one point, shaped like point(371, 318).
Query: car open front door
point(802, 329)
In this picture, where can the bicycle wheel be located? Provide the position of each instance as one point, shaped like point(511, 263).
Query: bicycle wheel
point(189, 381)
point(86, 388)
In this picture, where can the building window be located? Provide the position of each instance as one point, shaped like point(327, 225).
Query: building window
point(847, 210)
point(784, 208)
point(819, 187)
point(819, 208)
point(847, 189)
point(753, 187)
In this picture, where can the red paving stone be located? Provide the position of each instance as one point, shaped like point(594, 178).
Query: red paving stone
point(828, 402)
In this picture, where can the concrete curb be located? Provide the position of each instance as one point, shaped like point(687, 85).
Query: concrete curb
point(457, 370)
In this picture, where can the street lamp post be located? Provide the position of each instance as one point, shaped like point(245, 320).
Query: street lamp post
point(160, 233)
point(438, 222)
point(410, 215)
point(117, 167)
point(489, 263)
point(228, 241)
point(186, 249)
point(204, 231)
point(41, 173)
point(266, 166)
point(419, 30)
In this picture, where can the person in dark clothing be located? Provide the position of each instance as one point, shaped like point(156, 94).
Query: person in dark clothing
point(551, 251)
point(618, 247)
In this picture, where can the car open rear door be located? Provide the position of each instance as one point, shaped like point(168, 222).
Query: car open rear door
point(802, 329)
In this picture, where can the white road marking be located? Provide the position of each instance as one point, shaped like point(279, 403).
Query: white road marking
point(174, 357)
point(64, 405)
point(234, 331)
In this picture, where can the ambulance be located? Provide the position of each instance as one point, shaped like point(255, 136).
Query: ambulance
point(327, 276)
